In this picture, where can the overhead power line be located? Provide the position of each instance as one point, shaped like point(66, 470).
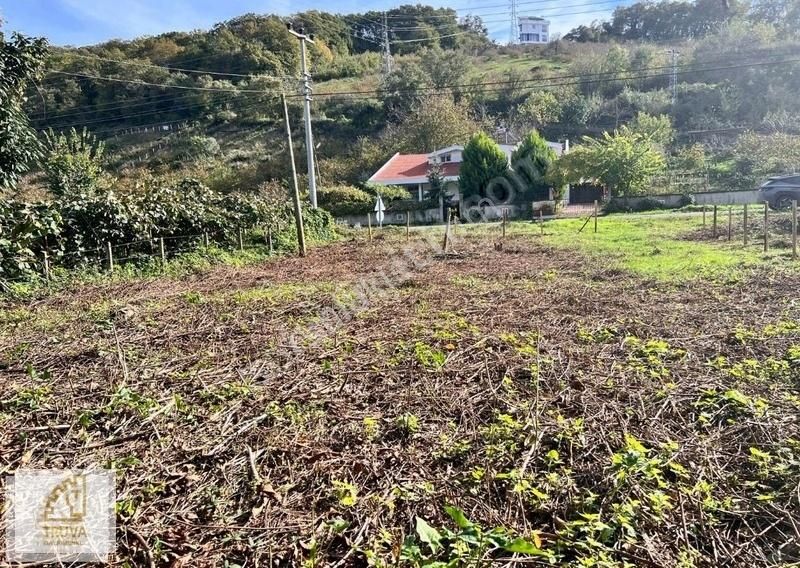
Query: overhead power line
point(179, 69)
point(494, 86)
point(149, 84)
point(473, 10)
point(584, 78)
point(423, 27)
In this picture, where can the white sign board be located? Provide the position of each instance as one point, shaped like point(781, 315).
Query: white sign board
point(379, 209)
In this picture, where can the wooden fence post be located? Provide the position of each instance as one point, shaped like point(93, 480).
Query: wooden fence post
point(505, 217)
point(730, 223)
point(447, 234)
point(744, 224)
point(541, 222)
point(163, 250)
point(595, 215)
point(408, 226)
point(369, 226)
point(714, 223)
point(794, 229)
point(205, 239)
point(46, 266)
point(766, 226)
point(109, 257)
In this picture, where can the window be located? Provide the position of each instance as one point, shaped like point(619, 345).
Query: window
point(535, 37)
point(544, 37)
point(446, 158)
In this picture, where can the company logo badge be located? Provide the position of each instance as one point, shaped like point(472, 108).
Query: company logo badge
point(60, 516)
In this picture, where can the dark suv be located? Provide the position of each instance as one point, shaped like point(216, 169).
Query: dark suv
point(780, 191)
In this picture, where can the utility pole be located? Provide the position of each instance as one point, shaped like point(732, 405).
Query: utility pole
point(673, 78)
point(386, 47)
point(312, 174)
point(298, 212)
point(514, 35)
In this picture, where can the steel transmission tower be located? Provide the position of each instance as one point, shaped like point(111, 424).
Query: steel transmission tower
point(514, 35)
point(673, 78)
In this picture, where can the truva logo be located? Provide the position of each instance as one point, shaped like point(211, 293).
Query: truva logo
point(65, 511)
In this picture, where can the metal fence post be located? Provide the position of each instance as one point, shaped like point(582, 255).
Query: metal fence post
point(766, 226)
point(163, 251)
point(730, 222)
point(714, 223)
point(46, 266)
point(109, 257)
point(744, 225)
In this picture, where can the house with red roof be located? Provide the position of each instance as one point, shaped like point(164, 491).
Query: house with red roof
point(411, 171)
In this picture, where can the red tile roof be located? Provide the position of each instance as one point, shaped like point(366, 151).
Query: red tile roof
point(410, 168)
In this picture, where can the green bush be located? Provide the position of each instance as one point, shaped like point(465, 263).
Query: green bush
point(622, 205)
point(73, 161)
point(76, 226)
point(388, 192)
point(345, 200)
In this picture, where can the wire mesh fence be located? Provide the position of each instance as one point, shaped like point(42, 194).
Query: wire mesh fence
point(140, 252)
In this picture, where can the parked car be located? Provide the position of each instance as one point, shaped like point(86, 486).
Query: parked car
point(780, 191)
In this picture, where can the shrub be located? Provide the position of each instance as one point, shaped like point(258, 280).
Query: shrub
point(622, 205)
point(73, 161)
point(81, 223)
point(388, 192)
point(195, 147)
point(345, 200)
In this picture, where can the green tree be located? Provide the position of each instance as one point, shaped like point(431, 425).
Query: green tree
point(21, 61)
point(442, 68)
point(624, 161)
point(657, 129)
point(483, 165)
point(73, 162)
point(757, 156)
point(690, 158)
point(434, 122)
point(435, 179)
point(400, 89)
point(540, 109)
point(531, 162)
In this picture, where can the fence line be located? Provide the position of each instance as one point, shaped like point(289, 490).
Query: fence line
point(104, 257)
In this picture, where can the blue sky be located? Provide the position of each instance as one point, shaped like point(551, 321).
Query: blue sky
point(82, 22)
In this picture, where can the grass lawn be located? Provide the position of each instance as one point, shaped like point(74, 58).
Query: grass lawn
point(662, 246)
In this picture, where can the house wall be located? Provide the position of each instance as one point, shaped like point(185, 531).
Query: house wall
point(420, 217)
point(701, 198)
point(455, 156)
point(539, 28)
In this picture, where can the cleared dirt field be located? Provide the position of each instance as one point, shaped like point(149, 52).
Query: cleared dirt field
point(344, 410)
